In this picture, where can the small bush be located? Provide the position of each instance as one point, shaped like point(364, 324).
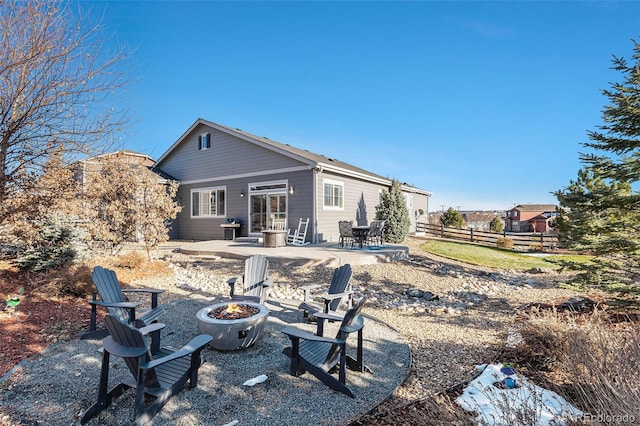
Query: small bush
point(131, 260)
point(504, 242)
point(53, 249)
point(537, 247)
point(496, 225)
point(74, 280)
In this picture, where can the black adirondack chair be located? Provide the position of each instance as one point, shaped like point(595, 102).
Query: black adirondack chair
point(112, 297)
point(339, 291)
point(321, 355)
point(159, 375)
point(255, 281)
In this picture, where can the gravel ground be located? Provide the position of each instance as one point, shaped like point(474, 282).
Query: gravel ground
point(452, 316)
point(54, 389)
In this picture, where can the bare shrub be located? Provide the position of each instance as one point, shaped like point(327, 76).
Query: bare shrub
point(131, 260)
point(504, 242)
point(588, 359)
point(74, 280)
point(536, 247)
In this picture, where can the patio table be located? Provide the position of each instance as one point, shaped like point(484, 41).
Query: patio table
point(360, 233)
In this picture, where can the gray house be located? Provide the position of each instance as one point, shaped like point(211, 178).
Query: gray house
point(227, 173)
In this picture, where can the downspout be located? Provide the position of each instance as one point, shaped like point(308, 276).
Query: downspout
point(316, 170)
point(314, 213)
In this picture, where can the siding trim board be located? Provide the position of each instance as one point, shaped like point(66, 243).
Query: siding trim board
point(245, 175)
point(344, 172)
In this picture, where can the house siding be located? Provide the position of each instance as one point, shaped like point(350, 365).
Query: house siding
point(419, 213)
point(360, 201)
point(522, 218)
point(228, 156)
point(237, 207)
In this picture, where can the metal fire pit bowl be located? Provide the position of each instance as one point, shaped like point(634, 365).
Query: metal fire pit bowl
point(232, 334)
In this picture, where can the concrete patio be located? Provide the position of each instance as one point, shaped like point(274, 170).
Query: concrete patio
point(323, 254)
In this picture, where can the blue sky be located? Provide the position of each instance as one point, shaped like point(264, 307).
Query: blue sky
point(484, 104)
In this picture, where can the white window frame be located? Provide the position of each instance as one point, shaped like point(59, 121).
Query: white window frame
point(209, 190)
point(333, 183)
point(204, 141)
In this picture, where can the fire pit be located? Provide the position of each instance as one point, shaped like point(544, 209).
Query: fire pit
point(233, 325)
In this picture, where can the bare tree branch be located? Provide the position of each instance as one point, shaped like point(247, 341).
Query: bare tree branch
point(56, 79)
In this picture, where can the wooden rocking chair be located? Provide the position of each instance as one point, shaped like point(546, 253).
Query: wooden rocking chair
point(320, 355)
point(161, 375)
point(298, 237)
point(255, 281)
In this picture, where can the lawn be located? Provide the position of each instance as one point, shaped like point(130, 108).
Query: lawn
point(491, 257)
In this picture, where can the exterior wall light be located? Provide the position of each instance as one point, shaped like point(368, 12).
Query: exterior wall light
point(241, 194)
point(291, 190)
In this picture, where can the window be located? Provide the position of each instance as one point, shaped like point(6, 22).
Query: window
point(208, 202)
point(204, 141)
point(333, 195)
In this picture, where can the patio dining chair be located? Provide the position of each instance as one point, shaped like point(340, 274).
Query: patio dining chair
point(376, 236)
point(346, 232)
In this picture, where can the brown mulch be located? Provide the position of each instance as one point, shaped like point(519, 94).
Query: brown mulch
point(38, 321)
point(53, 305)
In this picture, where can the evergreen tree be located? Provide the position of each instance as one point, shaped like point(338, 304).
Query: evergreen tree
point(600, 210)
point(393, 210)
point(496, 225)
point(452, 218)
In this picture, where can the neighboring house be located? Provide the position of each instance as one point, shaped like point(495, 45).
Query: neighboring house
point(531, 218)
point(84, 168)
point(480, 220)
point(227, 173)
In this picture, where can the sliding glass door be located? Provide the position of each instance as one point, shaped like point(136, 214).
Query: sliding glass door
point(268, 201)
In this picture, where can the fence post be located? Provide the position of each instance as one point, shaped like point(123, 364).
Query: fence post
point(442, 230)
point(471, 234)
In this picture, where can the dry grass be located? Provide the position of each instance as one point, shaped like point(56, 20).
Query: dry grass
point(590, 359)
